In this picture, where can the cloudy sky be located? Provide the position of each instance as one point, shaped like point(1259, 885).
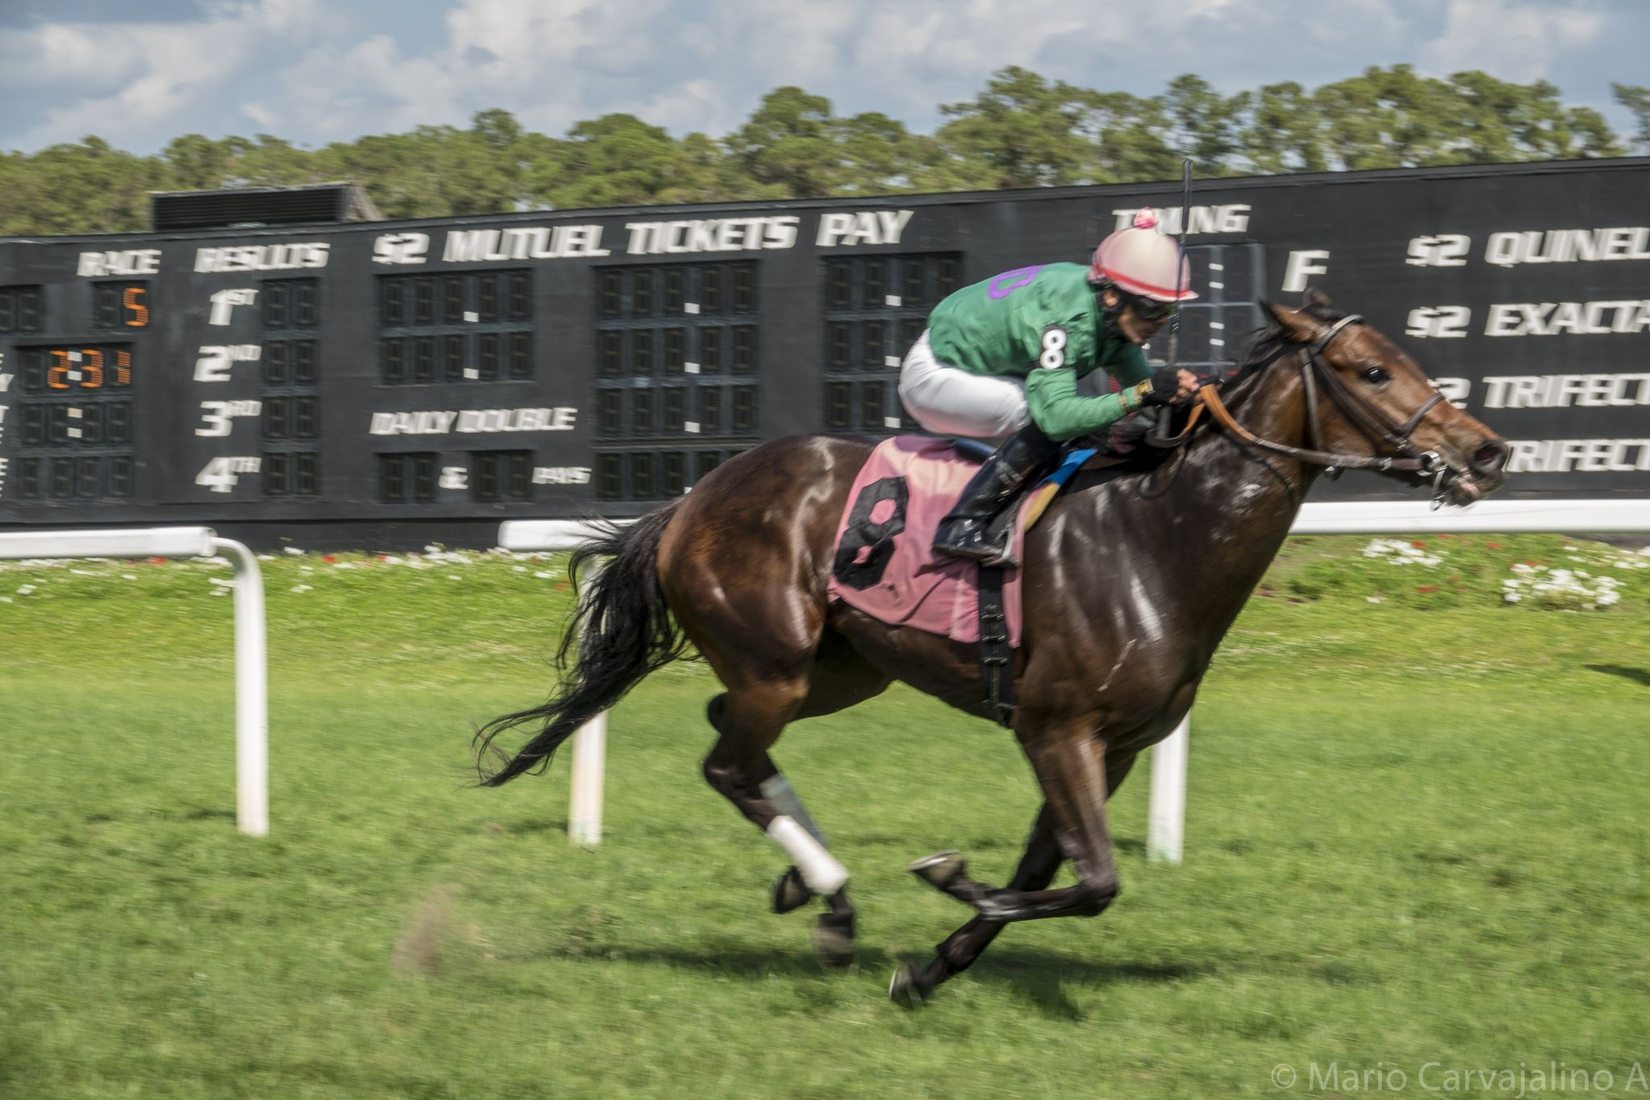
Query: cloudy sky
point(315, 71)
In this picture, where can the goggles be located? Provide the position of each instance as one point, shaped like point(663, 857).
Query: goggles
point(1149, 309)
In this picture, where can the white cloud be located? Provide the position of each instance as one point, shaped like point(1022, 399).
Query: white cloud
point(145, 76)
point(1520, 41)
point(313, 72)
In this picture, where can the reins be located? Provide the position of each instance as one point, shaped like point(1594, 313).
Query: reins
point(1375, 425)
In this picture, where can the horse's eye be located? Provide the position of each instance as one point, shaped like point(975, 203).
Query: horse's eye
point(1373, 375)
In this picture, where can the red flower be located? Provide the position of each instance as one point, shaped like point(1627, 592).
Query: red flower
point(329, 558)
point(1492, 545)
point(1418, 544)
point(1426, 589)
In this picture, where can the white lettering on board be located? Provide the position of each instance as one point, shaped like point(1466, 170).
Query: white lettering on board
point(1573, 318)
point(561, 475)
point(522, 242)
point(1439, 250)
point(292, 256)
point(401, 248)
point(225, 301)
point(712, 235)
point(1568, 246)
point(861, 227)
point(1438, 322)
point(1578, 456)
point(1302, 266)
point(135, 261)
point(1562, 391)
point(561, 418)
point(1233, 218)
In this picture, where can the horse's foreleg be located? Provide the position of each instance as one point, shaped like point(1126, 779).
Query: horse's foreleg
point(1071, 768)
point(740, 769)
point(1037, 868)
point(959, 950)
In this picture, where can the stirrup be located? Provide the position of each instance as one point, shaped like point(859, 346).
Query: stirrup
point(976, 545)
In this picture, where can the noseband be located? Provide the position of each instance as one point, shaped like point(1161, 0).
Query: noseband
point(1376, 426)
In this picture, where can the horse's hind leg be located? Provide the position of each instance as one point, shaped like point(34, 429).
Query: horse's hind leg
point(748, 722)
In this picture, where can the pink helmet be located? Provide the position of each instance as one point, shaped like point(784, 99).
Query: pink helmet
point(1141, 260)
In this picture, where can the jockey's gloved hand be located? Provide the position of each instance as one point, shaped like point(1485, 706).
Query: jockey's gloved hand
point(1162, 388)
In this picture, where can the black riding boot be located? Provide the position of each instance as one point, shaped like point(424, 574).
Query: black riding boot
point(963, 533)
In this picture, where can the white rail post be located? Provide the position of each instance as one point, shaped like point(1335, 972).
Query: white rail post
point(1166, 818)
point(251, 653)
point(584, 796)
point(584, 801)
point(251, 691)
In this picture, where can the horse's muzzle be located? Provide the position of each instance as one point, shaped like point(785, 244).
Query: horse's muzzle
point(1485, 471)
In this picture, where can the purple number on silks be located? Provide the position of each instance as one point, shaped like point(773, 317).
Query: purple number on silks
point(1010, 281)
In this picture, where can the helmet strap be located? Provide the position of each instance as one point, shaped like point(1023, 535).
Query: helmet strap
point(1110, 312)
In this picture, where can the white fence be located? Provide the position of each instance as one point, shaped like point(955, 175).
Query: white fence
point(1166, 816)
point(251, 657)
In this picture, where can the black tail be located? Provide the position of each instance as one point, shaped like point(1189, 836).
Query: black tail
point(625, 631)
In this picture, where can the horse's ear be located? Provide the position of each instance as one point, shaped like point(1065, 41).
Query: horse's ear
point(1289, 322)
point(1315, 299)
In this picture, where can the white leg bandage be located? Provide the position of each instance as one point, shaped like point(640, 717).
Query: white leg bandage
point(820, 870)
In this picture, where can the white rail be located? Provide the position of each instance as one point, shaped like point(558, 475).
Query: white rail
point(251, 654)
point(1166, 819)
point(1166, 816)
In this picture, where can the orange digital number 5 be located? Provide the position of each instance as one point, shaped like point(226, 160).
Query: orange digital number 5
point(137, 314)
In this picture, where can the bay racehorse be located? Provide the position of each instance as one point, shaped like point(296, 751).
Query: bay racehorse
point(1132, 581)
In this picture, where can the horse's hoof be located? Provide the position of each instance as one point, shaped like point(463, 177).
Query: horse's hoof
point(905, 989)
point(941, 869)
point(790, 892)
point(834, 940)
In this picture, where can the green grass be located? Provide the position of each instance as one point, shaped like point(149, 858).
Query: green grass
point(1416, 834)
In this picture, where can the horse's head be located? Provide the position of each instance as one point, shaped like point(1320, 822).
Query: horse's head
point(1365, 397)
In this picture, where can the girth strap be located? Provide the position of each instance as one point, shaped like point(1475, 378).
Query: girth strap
point(996, 656)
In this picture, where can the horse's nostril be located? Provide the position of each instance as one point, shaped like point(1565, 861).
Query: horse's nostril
point(1491, 457)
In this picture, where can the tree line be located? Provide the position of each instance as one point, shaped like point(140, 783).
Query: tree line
point(1020, 130)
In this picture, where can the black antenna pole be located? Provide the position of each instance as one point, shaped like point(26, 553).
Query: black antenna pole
point(1159, 435)
point(1180, 268)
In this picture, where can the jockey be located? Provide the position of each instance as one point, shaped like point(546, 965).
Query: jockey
point(1000, 360)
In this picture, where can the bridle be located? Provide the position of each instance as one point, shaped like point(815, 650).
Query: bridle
point(1376, 426)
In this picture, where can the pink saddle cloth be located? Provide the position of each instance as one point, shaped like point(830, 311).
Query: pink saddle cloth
point(883, 564)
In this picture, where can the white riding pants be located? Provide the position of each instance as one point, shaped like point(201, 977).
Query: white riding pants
point(948, 400)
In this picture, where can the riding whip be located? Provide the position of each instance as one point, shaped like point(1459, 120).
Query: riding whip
point(1159, 436)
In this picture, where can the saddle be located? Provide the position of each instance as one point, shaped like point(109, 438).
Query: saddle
point(883, 563)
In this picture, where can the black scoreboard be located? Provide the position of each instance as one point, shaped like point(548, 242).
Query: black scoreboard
point(435, 377)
